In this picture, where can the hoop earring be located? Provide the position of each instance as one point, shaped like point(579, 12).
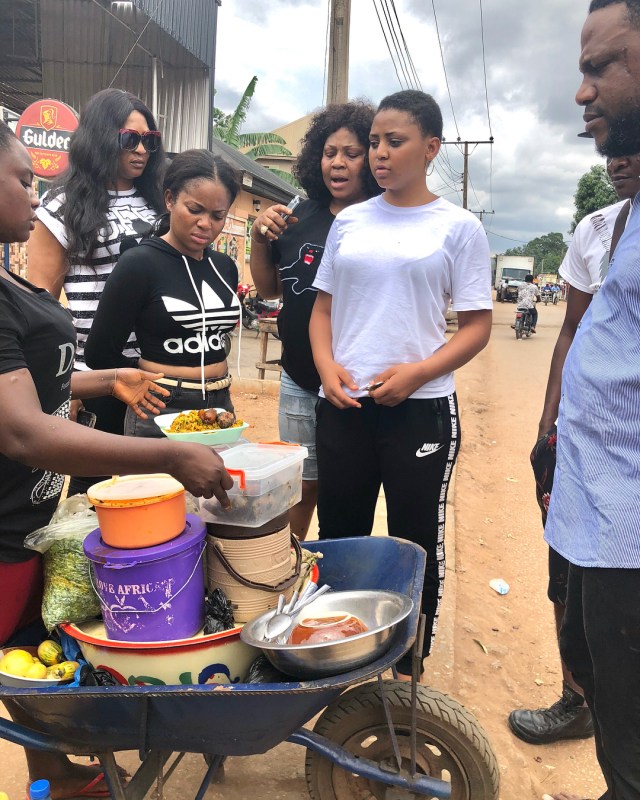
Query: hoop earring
point(432, 165)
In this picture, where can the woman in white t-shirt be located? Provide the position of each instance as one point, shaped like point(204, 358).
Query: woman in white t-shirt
point(390, 267)
point(110, 193)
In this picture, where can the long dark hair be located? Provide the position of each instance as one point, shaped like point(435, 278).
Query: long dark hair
point(196, 165)
point(356, 117)
point(93, 167)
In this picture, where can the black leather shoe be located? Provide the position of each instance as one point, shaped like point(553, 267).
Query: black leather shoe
point(567, 718)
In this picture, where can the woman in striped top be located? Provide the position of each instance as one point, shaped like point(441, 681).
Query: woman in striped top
point(111, 192)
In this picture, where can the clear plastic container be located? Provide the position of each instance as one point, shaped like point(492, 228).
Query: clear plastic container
point(267, 482)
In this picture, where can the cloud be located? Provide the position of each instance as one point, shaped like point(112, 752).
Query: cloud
point(528, 177)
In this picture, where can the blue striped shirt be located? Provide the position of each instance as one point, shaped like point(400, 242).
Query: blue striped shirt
point(594, 515)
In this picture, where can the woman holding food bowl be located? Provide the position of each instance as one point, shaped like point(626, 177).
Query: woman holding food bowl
point(176, 294)
point(39, 444)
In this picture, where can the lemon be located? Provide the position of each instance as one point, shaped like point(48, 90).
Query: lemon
point(50, 653)
point(16, 662)
point(37, 670)
point(4, 796)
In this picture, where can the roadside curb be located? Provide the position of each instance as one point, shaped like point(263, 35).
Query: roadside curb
point(256, 386)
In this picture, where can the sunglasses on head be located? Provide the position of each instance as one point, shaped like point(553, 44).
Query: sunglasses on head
point(130, 140)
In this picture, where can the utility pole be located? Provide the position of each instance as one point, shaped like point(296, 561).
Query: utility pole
point(338, 67)
point(465, 172)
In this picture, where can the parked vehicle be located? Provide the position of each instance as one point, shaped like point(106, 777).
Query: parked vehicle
point(523, 324)
point(510, 272)
point(255, 308)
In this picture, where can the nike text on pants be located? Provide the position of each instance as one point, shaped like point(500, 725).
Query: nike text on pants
point(410, 449)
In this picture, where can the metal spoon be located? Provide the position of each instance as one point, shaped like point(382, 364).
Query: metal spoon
point(280, 623)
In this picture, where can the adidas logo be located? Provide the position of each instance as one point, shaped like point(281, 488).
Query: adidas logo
point(190, 317)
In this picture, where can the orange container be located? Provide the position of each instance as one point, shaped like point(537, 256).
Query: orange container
point(139, 510)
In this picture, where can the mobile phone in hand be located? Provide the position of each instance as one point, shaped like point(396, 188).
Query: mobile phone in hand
point(293, 204)
point(87, 418)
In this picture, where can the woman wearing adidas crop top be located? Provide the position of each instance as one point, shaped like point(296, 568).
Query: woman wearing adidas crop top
point(176, 294)
point(404, 254)
point(111, 193)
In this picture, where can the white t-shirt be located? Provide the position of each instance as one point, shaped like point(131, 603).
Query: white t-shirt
point(129, 214)
point(587, 260)
point(391, 272)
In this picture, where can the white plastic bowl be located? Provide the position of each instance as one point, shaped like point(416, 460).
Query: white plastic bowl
point(26, 683)
point(211, 438)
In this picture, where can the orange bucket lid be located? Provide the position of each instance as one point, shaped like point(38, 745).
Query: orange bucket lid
point(125, 491)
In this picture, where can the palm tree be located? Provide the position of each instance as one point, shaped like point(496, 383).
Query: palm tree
point(226, 127)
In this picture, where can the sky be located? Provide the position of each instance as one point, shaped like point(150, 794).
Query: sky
point(527, 177)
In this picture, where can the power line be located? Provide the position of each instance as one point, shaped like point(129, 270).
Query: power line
point(387, 43)
point(126, 58)
point(414, 72)
point(455, 122)
point(396, 43)
point(510, 239)
point(484, 68)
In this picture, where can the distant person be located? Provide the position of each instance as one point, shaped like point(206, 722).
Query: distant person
point(390, 267)
point(584, 268)
point(528, 296)
point(111, 192)
point(176, 294)
point(594, 513)
point(333, 169)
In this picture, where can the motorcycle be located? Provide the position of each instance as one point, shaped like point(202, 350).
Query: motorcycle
point(547, 297)
point(255, 308)
point(523, 324)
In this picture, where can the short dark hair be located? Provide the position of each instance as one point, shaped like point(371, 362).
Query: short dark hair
point(633, 8)
point(197, 165)
point(528, 278)
point(420, 106)
point(356, 117)
point(7, 136)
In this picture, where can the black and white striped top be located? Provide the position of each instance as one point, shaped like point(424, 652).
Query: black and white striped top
point(129, 215)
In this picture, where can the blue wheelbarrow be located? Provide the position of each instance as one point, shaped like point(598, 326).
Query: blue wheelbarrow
point(377, 739)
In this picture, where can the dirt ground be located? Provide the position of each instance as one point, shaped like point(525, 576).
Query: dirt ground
point(504, 648)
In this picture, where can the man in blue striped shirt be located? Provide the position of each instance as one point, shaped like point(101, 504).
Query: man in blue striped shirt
point(594, 515)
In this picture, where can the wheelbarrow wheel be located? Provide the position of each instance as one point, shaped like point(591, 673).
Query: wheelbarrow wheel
point(450, 744)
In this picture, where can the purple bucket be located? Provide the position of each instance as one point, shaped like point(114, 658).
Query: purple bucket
point(153, 594)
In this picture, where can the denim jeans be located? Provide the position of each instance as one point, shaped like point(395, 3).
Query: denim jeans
point(180, 399)
point(297, 422)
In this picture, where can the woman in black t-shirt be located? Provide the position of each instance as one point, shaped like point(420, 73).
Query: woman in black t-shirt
point(39, 444)
point(333, 170)
point(176, 294)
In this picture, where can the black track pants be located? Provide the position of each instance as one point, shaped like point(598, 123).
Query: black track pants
point(410, 449)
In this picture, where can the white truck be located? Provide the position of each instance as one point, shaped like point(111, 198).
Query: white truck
point(510, 273)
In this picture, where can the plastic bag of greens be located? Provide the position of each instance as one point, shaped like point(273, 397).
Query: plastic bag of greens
point(68, 592)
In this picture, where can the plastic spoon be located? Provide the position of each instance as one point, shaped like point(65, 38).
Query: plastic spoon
point(280, 623)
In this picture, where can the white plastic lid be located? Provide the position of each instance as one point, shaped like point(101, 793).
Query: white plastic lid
point(260, 461)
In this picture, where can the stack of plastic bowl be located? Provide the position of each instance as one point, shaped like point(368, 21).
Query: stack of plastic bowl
point(249, 545)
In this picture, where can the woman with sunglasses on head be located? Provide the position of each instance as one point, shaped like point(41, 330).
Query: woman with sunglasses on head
point(176, 293)
point(39, 444)
point(333, 170)
point(389, 269)
point(110, 192)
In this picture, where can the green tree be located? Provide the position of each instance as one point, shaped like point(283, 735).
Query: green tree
point(594, 192)
point(547, 251)
point(226, 127)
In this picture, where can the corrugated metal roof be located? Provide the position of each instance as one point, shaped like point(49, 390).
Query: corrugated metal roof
point(192, 24)
point(264, 182)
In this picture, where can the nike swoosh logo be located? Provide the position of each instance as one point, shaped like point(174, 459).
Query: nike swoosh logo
point(427, 450)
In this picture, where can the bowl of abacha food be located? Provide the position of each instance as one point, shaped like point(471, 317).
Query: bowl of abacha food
point(338, 632)
point(209, 426)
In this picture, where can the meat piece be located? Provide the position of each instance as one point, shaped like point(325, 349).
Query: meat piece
point(226, 419)
point(208, 415)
